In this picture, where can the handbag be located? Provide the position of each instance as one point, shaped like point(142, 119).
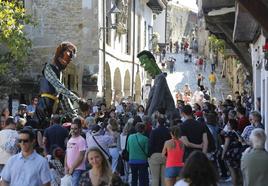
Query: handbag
point(66, 180)
point(125, 153)
point(120, 166)
point(108, 155)
point(141, 147)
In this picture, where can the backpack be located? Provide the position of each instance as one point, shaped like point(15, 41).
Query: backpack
point(211, 141)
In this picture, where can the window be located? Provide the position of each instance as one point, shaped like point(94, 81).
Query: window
point(139, 35)
point(129, 29)
point(150, 37)
point(107, 22)
point(145, 34)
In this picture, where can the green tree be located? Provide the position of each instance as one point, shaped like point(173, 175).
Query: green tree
point(155, 40)
point(215, 44)
point(14, 44)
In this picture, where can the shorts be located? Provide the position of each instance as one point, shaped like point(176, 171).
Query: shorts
point(172, 172)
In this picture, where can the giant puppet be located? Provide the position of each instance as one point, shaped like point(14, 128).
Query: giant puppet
point(53, 93)
point(160, 95)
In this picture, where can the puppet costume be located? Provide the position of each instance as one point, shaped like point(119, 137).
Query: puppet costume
point(52, 90)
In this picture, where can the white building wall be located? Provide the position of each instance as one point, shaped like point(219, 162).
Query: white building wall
point(159, 26)
point(116, 52)
point(260, 79)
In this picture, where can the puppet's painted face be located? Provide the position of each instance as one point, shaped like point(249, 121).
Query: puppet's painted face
point(66, 58)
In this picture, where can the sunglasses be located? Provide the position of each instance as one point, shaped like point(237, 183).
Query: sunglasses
point(24, 140)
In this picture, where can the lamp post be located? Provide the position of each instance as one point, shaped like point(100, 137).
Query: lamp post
point(114, 10)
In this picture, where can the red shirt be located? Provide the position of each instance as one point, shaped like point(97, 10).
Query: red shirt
point(242, 123)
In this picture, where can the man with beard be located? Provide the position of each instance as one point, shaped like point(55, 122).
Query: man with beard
point(52, 90)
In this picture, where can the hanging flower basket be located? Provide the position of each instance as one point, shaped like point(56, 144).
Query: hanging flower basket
point(121, 28)
point(265, 50)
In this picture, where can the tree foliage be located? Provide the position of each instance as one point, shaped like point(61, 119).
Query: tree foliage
point(155, 40)
point(215, 44)
point(14, 44)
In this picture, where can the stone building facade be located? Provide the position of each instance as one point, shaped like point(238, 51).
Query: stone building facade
point(179, 23)
point(81, 22)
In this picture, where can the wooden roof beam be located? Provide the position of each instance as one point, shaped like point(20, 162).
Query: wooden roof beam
point(258, 10)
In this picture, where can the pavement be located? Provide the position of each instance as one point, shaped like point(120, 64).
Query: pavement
point(187, 73)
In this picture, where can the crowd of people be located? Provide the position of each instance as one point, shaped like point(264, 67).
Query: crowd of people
point(202, 144)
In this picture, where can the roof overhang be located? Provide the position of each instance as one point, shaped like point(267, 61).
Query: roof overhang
point(220, 19)
point(157, 6)
point(246, 29)
point(209, 5)
point(258, 10)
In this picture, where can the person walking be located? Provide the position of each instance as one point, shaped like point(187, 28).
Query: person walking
point(8, 142)
point(204, 64)
point(254, 161)
point(100, 173)
point(194, 135)
point(200, 81)
point(156, 143)
point(75, 153)
point(27, 167)
point(173, 150)
point(212, 80)
point(55, 135)
point(137, 146)
point(198, 170)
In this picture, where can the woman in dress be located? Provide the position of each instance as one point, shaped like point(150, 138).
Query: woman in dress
point(232, 152)
point(100, 173)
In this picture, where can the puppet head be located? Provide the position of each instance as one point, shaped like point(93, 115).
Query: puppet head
point(147, 61)
point(65, 53)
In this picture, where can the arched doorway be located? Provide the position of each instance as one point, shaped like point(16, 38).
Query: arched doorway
point(117, 84)
point(138, 88)
point(108, 85)
point(127, 84)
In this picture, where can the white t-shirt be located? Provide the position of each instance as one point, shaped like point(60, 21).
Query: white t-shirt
point(181, 183)
point(8, 144)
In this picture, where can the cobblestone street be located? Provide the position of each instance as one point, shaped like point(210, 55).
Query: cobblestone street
point(187, 73)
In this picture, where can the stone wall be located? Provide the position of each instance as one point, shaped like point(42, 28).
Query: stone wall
point(179, 22)
point(62, 20)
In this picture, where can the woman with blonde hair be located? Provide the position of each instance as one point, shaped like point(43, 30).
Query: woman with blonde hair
point(100, 173)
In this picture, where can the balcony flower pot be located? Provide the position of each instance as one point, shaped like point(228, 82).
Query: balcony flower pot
point(121, 28)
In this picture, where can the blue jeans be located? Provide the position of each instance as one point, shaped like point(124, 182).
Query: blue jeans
point(213, 67)
point(139, 171)
point(114, 152)
point(76, 177)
